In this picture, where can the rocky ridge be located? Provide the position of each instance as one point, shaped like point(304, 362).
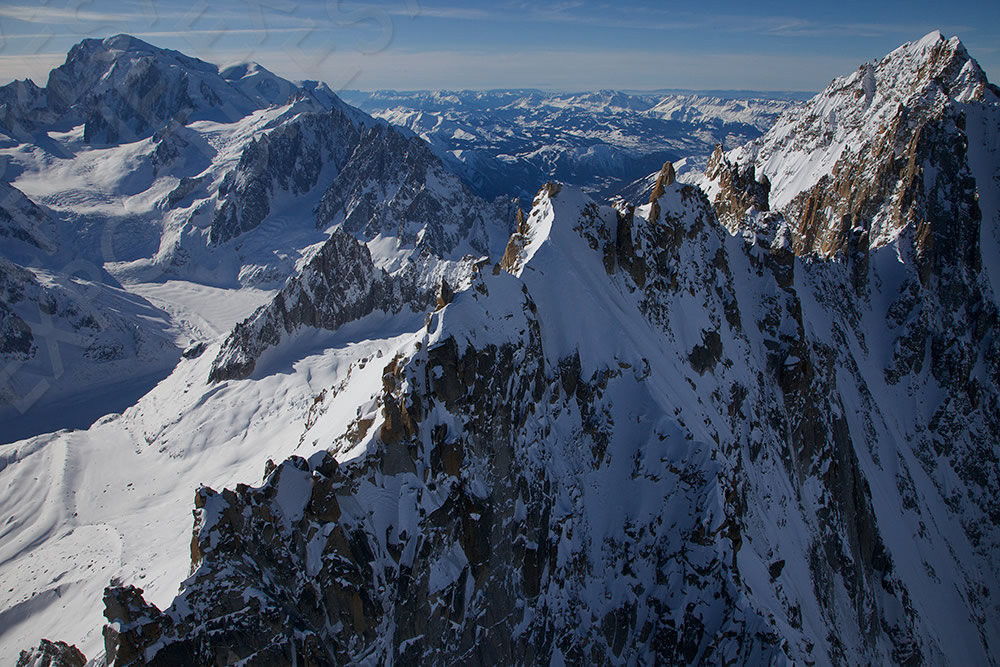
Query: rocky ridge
point(296, 156)
point(791, 555)
point(880, 151)
point(395, 187)
point(340, 284)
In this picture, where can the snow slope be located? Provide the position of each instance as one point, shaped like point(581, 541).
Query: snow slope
point(112, 502)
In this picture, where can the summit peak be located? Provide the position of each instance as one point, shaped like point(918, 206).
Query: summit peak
point(930, 39)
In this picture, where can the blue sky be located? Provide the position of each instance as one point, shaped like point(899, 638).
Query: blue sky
point(572, 45)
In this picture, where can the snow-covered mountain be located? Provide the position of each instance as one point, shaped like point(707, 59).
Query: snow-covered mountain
point(215, 194)
point(672, 431)
point(894, 143)
point(122, 89)
point(509, 141)
point(70, 336)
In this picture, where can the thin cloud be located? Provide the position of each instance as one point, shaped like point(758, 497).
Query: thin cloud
point(227, 31)
point(576, 13)
point(48, 15)
point(452, 13)
point(813, 29)
point(148, 14)
point(168, 33)
point(36, 67)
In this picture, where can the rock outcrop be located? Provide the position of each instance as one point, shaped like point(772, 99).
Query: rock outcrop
point(881, 152)
point(740, 193)
point(394, 186)
point(340, 284)
point(52, 654)
point(665, 178)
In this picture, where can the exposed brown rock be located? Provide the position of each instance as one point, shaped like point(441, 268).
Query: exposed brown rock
point(739, 189)
point(665, 179)
point(398, 423)
point(515, 245)
point(444, 294)
point(519, 222)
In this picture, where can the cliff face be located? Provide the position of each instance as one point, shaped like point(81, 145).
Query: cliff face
point(291, 159)
point(700, 459)
point(394, 186)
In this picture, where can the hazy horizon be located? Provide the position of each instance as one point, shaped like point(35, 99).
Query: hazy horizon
point(575, 46)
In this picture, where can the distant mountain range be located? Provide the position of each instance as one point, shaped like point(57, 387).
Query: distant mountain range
point(500, 141)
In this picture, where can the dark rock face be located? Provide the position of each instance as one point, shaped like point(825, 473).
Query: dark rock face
point(373, 179)
point(289, 159)
point(338, 285)
point(272, 626)
point(481, 572)
point(52, 654)
point(393, 185)
point(922, 179)
point(23, 107)
point(24, 222)
point(16, 339)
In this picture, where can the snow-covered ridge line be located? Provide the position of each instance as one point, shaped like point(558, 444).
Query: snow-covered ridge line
point(832, 163)
point(122, 89)
point(340, 284)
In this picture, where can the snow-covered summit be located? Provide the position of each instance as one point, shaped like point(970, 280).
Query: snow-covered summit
point(902, 88)
point(876, 147)
point(124, 89)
